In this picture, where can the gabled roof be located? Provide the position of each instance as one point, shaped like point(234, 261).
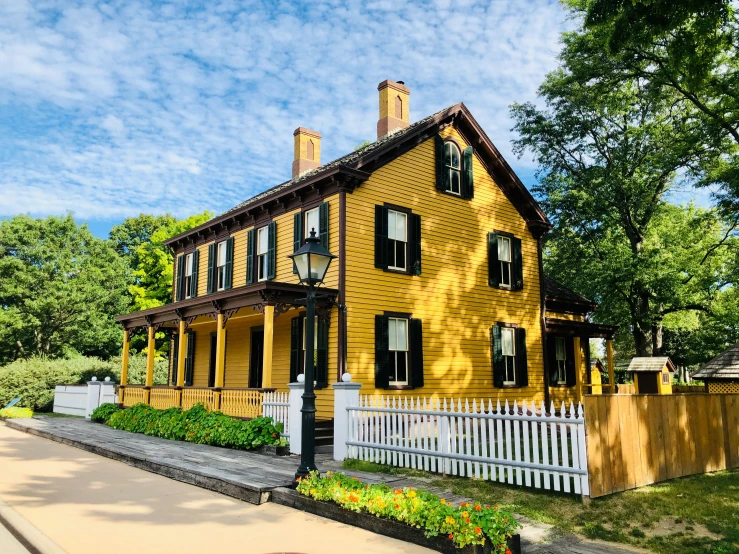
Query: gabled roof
point(560, 298)
point(723, 366)
point(655, 364)
point(357, 166)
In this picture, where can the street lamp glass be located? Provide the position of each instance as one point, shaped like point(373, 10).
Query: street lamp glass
point(311, 261)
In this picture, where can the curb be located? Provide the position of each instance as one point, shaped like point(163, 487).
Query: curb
point(25, 533)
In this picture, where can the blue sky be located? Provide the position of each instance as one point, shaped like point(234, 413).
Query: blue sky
point(113, 109)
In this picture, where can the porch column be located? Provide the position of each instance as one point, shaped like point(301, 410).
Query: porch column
point(578, 367)
point(220, 351)
point(124, 357)
point(609, 361)
point(269, 327)
point(181, 354)
point(150, 351)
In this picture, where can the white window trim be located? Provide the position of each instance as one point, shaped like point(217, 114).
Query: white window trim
point(405, 242)
point(450, 168)
point(307, 228)
point(189, 268)
point(561, 377)
point(265, 230)
point(506, 266)
point(511, 331)
point(393, 352)
point(221, 269)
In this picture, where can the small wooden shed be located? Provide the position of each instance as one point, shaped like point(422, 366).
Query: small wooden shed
point(721, 374)
point(652, 375)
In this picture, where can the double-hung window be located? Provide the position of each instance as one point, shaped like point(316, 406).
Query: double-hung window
point(315, 344)
point(262, 254)
point(504, 259)
point(398, 351)
point(397, 234)
point(453, 165)
point(311, 223)
point(560, 356)
point(221, 266)
point(188, 283)
point(508, 348)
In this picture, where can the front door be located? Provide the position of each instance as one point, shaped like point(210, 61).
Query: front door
point(256, 358)
point(212, 361)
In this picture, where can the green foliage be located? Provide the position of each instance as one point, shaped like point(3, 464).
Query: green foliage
point(102, 413)
point(16, 413)
point(33, 380)
point(60, 288)
point(465, 524)
point(135, 231)
point(198, 425)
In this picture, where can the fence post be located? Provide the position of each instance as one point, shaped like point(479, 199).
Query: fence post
point(345, 394)
point(107, 392)
point(294, 417)
point(93, 396)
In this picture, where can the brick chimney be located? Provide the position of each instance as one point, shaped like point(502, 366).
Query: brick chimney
point(307, 150)
point(394, 113)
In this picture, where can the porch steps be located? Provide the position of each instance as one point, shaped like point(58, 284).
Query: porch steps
point(324, 432)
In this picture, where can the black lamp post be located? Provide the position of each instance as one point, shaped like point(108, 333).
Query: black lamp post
point(311, 263)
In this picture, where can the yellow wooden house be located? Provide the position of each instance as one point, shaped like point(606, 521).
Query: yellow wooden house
point(437, 290)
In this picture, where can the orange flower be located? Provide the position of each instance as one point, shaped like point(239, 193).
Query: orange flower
point(478, 530)
point(353, 498)
point(398, 491)
point(495, 507)
point(397, 507)
point(508, 551)
point(467, 520)
point(478, 507)
point(451, 536)
point(299, 479)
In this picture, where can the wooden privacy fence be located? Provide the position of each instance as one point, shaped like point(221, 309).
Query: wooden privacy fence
point(642, 439)
point(519, 445)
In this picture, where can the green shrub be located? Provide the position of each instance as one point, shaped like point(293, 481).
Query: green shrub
point(34, 379)
point(16, 413)
point(102, 413)
point(197, 425)
point(464, 524)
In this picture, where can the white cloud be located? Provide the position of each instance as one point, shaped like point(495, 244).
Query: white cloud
point(122, 108)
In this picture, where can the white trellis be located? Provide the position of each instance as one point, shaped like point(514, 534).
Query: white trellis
point(516, 444)
point(277, 406)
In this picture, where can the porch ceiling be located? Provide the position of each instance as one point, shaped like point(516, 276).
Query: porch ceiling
point(267, 293)
point(579, 328)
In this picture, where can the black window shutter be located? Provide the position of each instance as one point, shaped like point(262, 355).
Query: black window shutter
point(322, 354)
point(180, 277)
point(175, 357)
point(195, 267)
point(414, 245)
point(297, 233)
point(493, 265)
point(570, 364)
point(190, 358)
point(382, 352)
point(468, 185)
point(416, 346)
point(229, 263)
point(381, 237)
point(211, 267)
point(442, 175)
point(517, 264)
point(552, 360)
point(497, 352)
point(250, 257)
point(522, 366)
point(323, 224)
point(295, 336)
point(271, 250)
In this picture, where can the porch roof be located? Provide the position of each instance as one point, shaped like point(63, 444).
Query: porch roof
point(267, 293)
point(579, 328)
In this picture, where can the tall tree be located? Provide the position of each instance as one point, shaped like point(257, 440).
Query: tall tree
point(60, 288)
point(608, 155)
point(135, 231)
point(687, 51)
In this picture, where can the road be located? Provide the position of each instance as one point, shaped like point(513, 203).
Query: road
point(88, 504)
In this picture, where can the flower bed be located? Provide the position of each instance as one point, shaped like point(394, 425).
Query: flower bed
point(16, 413)
point(463, 525)
point(197, 425)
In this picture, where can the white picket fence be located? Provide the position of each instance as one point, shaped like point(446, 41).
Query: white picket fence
point(520, 445)
point(277, 406)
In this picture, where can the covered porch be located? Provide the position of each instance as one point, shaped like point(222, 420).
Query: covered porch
point(227, 348)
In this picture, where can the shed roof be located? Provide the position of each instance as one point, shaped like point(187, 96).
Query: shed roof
point(651, 363)
point(723, 366)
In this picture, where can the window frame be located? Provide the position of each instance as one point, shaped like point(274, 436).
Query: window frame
point(666, 379)
point(220, 284)
point(394, 383)
point(561, 375)
point(509, 358)
point(187, 280)
point(503, 263)
point(450, 169)
point(306, 229)
point(258, 255)
point(394, 242)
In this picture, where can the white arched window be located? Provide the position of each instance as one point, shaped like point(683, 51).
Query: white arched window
point(453, 164)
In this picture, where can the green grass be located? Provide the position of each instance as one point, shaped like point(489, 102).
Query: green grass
point(710, 501)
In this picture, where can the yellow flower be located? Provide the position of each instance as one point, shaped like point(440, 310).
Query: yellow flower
point(465, 515)
point(443, 501)
point(450, 520)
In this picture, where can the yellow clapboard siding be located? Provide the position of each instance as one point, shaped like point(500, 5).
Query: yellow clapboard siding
point(568, 317)
point(451, 297)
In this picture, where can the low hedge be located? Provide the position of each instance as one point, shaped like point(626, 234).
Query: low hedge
point(16, 413)
point(102, 413)
point(465, 524)
point(197, 425)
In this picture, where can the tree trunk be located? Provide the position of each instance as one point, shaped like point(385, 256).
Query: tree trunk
point(657, 339)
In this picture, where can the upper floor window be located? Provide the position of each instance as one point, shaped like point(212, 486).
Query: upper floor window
point(262, 254)
point(312, 223)
point(397, 234)
point(398, 351)
point(189, 269)
point(453, 167)
point(560, 355)
point(504, 259)
point(508, 349)
point(221, 266)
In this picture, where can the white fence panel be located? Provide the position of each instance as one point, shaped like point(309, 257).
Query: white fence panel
point(277, 406)
point(70, 400)
point(517, 444)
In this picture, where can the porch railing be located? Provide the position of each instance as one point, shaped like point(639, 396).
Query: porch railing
point(236, 402)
